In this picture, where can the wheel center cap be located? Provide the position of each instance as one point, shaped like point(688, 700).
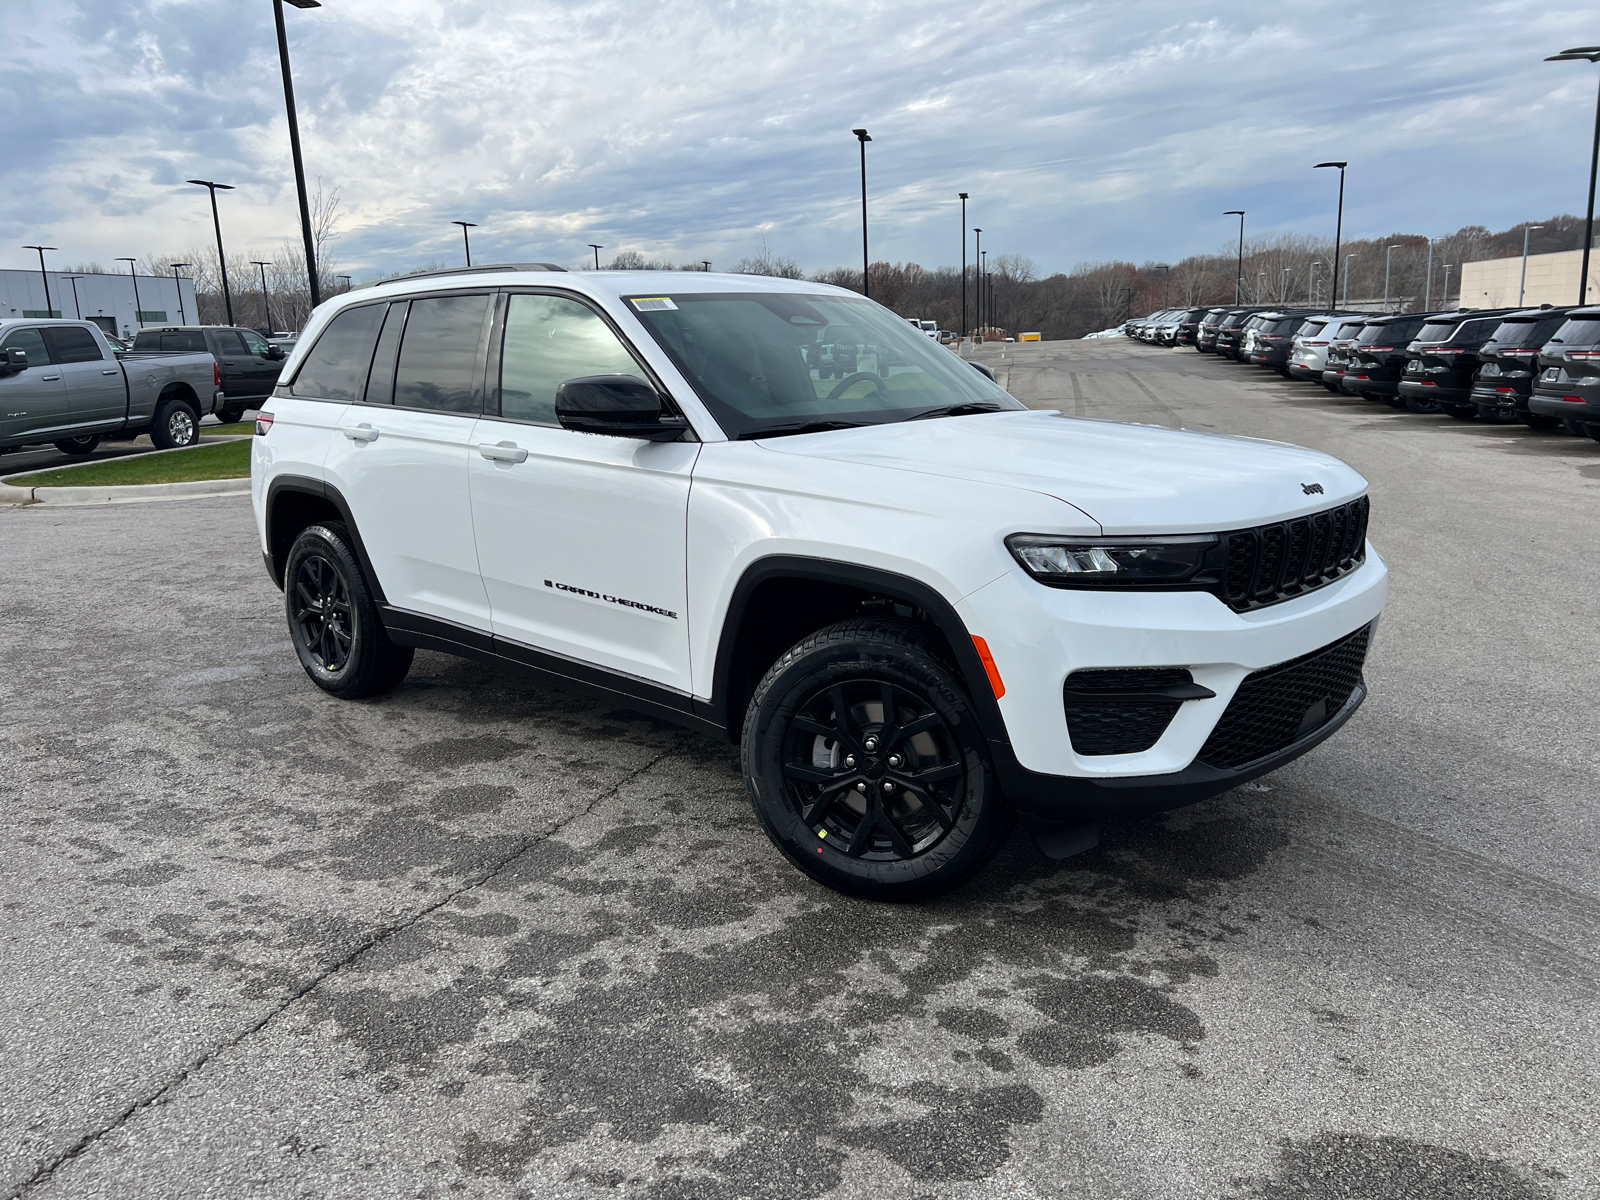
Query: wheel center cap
point(873, 768)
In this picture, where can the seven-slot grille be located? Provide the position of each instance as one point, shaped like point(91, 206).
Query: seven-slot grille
point(1277, 706)
point(1274, 562)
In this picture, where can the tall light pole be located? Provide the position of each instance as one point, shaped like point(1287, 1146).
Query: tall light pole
point(963, 196)
point(1587, 54)
point(706, 263)
point(1523, 286)
point(864, 137)
point(1447, 287)
point(984, 298)
point(76, 307)
point(466, 244)
point(1345, 300)
point(1261, 284)
point(1388, 259)
point(41, 249)
point(138, 309)
point(1283, 287)
point(222, 261)
point(294, 148)
point(1311, 288)
point(1238, 275)
point(346, 279)
point(596, 248)
point(182, 319)
point(266, 308)
point(1338, 231)
point(977, 285)
point(1166, 274)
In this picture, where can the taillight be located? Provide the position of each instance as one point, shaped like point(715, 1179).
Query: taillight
point(1511, 391)
point(1516, 353)
point(1313, 343)
point(263, 423)
point(216, 373)
point(1583, 353)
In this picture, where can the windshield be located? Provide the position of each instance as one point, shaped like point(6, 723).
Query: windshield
point(776, 362)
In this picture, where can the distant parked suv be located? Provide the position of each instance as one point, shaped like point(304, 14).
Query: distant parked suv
point(249, 363)
point(1442, 360)
point(1189, 326)
point(1376, 358)
point(1510, 363)
point(1271, 337)
point(1309, 348)
point(918, 607)
point(1568, 387)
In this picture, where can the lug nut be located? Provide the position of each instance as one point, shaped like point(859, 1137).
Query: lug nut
point(861, 787)
point(888, 785)
point(849, 760)
point(872, 743)
point(895, 760)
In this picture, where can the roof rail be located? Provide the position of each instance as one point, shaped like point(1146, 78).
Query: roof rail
point(463, 271)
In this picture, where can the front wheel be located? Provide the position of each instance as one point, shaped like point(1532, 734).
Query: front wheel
point(333, 620)
point(79, 447)
point(866, 766)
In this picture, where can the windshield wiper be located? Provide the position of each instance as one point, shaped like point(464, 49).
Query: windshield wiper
point(798, 427)
point(959, 410)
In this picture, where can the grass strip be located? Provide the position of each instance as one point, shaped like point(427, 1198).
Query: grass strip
point(229, 460)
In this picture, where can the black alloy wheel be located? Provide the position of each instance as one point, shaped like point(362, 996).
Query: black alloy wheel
point(333, 620)
point(866, 766)
point(320, 608)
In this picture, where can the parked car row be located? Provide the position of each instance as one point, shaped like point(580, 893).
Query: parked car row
point(1539, 366)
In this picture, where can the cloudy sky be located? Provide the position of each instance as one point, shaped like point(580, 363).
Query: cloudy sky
point(696, 130)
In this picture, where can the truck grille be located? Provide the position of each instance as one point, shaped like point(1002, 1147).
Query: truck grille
point(1272, 563)
point(1277, 706)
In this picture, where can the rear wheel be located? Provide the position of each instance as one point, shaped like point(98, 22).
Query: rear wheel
point(1535, 420)
point(1461, 412)
point(1593, 431)
point(231, 413)
point(1576, 428)
point(1418, 405)
point(333, 620)
point(175, 424)
point(1495, 415)
point(866, 766)
point(78, 447)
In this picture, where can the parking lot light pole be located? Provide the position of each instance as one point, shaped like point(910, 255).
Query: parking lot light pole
point(596, 247)
point(1338, 230)
point(1311, 287)
point(963, 196)
point(41, 249)
point(1587, 54)
point(706, 263)
point(76, 307)
point(266, 308)
point(1446, 300)
point(294, 147)
point(346, 279)
point(1238, 275)
point(977, 286)
point(1427, 293)
point(864, 137)
point(1388, 261)
point(1523, 286)
point(1345, 300)
point(1283, 287)
point(222, 261)
point(182, 319)
point(138, 309)
point(465, 242)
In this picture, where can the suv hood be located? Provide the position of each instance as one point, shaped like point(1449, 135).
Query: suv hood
point(1128, 478)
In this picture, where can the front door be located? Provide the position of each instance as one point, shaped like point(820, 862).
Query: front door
point(581, 538)
point(96, 394)
point(33, 403)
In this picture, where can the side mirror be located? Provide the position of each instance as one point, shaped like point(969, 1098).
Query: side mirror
point(14, 360)
point(275, 352)
point(616, 405)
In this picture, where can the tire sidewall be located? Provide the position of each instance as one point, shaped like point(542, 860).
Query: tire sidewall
point(326, 543)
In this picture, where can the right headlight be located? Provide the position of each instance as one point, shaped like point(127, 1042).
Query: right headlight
point(1106, 561)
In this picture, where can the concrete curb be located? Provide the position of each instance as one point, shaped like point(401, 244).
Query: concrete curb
point(126, 494)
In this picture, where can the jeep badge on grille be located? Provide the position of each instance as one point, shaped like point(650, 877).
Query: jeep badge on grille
point(1311, 489)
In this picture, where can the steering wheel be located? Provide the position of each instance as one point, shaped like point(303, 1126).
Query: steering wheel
point(859, 377)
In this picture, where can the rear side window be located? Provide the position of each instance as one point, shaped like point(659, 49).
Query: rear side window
point(336, 368)
point(188, 343)
point(439, 354)
point(30, 343)
point(1312, 328)
point(229, 341)
point(1579, 331)
point(69, 344)
point(550, 339)
point(1474, 333)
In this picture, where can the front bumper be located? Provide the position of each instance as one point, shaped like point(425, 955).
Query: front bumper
point(1039, 635)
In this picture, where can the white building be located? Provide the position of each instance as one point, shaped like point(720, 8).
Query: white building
point(1552, 279)
point(107, 300)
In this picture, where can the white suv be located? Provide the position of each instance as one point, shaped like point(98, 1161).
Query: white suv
point(772, 511)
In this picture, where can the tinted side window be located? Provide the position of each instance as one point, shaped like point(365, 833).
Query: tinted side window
point(380, 384)
point(228, 341)
point(1578, 331)
point(550, 339)
point(191, 343)
point(336, 368)
point(439, 352)
point(70, 345)
point(28, 341)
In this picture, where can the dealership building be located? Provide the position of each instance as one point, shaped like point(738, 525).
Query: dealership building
point(119, 304)
point(1552, 279)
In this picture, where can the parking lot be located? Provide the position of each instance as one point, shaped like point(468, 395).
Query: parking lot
point(479, 938)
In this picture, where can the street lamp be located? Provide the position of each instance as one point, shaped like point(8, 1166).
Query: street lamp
point(1447, 287)
point(706, 263)
point(294, 147)
point(1345, 301)
point(1388, 258)
point(596, 249)
point(1166, 274)
point(222, 261)
point(1523, 286)
point(1238, 277)
point(977, 284)
point(1587, 54)
point(346, 279)
point(984, 297)
point(76, 307)
point(182, 319)
point(1427, 293)
point(138, 309)
point(1261, 284)
point(1311, 288)
point(863, 137)
point(1283, 287)
point(963, 196)
point(41, 249)
point(266, 309)
point(466, 225)
point(1338, 231)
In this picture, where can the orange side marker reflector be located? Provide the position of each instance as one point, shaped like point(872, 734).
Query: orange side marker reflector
point(988, 666)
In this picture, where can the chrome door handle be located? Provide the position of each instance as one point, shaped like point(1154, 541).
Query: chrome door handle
point(508, 452)
point(361, 433)
point(111, 372)
point(48, 378)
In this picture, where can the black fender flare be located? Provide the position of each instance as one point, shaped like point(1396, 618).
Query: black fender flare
point(322, 490)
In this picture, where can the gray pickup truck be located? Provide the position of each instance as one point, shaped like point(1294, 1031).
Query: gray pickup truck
point(61, 382)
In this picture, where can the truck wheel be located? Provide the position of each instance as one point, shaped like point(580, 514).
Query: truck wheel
point(79, 447)
point(175, 424)
point(1535, 420)
point(866, 766)
point(333, 621)
point(231, 414)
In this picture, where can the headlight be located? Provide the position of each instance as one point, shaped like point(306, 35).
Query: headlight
point(1108, 561)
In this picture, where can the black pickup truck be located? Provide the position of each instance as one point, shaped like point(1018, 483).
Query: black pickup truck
point(248, 363)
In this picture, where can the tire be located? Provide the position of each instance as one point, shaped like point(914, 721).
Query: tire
point(1493, 414)
point(79, 447)
point(1394, 402)
point(1575, 428)
point(1418, 405)
point(813, 762)
point(231, 413)
point(1461, 412)
point(1535, 420)
point(333, 621)
point(1593, 431)
point(175, 424)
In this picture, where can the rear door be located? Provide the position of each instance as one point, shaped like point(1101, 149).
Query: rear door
point(96, 394)
point(33, 403)
point(239, 377)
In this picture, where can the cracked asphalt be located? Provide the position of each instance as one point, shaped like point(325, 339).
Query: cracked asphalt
point(479, 938)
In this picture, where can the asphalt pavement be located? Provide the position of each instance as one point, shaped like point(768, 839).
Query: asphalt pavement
point(480, 938)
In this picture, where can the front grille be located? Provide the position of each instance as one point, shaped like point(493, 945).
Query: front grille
point(1277, 706)
point(1106, 714)
point(1274, 562)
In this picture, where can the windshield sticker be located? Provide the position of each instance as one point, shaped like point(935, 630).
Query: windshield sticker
point(654, 304)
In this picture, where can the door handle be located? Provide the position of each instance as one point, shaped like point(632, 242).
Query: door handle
point(508, 452)
point(361, 433)
point(110, 372)
point(48, 378)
